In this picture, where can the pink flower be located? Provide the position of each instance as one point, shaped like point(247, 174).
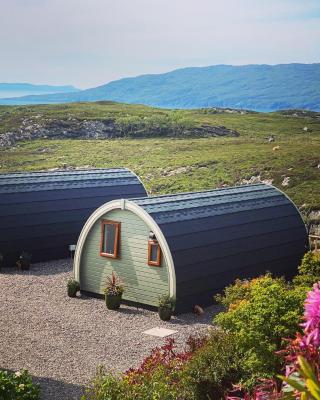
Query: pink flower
point(312, 316)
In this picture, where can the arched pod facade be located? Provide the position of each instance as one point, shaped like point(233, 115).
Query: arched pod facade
point(43, 212)
point(207, 240)
point(144, 283)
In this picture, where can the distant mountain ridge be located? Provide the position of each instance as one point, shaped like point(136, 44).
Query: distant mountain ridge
point(24, 89)
point(253, 87)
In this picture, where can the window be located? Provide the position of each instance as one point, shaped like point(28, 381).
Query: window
point(154, 253)
point(110, 234)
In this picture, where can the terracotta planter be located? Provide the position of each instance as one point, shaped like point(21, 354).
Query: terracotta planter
point(113, 301)
point(165, 313)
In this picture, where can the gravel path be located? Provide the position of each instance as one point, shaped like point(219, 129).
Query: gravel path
point(61, 340)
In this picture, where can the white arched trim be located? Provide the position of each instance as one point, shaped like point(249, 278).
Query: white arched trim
point(140, 212)
point(292, 202)
point(139, 179)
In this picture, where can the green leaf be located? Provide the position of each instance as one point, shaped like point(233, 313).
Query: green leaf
point(306, 369)
point(288, 396)
point(296, 385)
point(314, 388)
point(304, 396)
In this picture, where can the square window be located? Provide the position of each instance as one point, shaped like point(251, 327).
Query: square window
point(154, 253)
point(110, 235)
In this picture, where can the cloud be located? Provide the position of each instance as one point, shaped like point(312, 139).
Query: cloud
point(87, 43)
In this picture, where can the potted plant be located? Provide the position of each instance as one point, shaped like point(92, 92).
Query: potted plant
point(24, 261)
point(113, 291)
point(73, 287)
point(166, 307)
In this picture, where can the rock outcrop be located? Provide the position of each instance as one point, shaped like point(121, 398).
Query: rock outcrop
point(72, 128)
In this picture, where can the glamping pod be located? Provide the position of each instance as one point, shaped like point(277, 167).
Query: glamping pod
point(190, 245)
point(43, 212)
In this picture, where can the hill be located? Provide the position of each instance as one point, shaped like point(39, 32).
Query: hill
point(10, 90)
point(168, 161)
point(255, 87)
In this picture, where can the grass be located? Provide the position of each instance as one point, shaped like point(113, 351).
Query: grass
point(172, 165)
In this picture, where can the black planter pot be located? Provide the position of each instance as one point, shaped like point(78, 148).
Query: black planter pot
point(113, 301)
point(72, 292)
point(24, 265)
point(165, 313)
point(24, 261)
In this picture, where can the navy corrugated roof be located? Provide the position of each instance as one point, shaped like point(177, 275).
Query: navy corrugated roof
point(193, 205)
point(66, 180)
point(43, 212)
point(219, 235)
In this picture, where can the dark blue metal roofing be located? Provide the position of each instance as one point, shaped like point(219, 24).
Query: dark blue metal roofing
point(43, 212)
point(219, 235)
point(65, 180)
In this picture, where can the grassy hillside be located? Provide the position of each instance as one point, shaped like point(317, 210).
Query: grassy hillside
point(170, 164)
point(255, 87)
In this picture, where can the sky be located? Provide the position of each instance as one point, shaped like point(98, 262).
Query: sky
point(87, 43)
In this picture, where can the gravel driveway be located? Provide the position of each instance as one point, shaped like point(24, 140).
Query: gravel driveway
point(62, 340)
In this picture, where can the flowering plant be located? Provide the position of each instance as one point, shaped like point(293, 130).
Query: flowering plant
point(18, 385)
point(114, 285)
point(312, 317)
point(303, 355)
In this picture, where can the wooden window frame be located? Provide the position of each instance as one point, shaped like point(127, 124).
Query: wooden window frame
point(156, 263)
point(117, 238)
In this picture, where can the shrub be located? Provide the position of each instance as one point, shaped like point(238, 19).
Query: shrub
point(213, 367)
point(167, 302)
point(159, 375)
point(302, 356)
point(175, 123)
point(163, 384)
point(157, 378)
point(240, 290)
point(73, 287)
point(259, 315)
point(104, 386)
point(309, 270)
point(18, 386)
point(204, 370)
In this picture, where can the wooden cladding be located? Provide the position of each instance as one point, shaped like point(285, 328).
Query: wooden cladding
point(110, 238)
point(154, 253)
point(110, 243)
